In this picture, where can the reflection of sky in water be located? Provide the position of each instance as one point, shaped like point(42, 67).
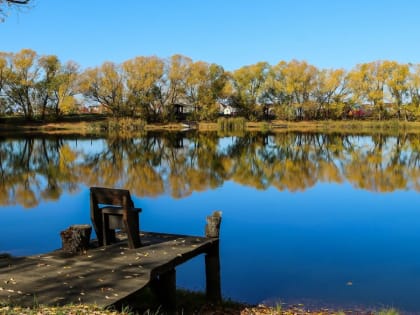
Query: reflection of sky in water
point(92, 146)
point(224, 143)
point(292, 246)
point(87, 147)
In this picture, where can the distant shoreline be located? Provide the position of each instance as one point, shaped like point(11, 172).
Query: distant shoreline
point(100, 127)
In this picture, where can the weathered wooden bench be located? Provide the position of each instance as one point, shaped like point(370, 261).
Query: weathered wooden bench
point(112, 209)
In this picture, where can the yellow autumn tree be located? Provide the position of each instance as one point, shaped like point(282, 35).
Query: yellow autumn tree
point(330, 93)
point(105, 86)
point(21, 80)
point(248, 83)
point(204, 85)
point(300, 84)
point(142, 78)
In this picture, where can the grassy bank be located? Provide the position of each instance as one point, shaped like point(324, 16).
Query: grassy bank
point(205, 310)
point(345, 126)
point(188, 302)
point(327, 126)
point(87, 125)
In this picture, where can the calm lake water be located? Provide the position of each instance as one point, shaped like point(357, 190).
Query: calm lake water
point(309, 218)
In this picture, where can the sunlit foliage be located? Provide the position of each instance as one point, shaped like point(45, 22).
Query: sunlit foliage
point(36, 86)
point(178, 88)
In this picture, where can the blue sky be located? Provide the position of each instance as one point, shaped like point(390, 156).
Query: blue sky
point(232, 33)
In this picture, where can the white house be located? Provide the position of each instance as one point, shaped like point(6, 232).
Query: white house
point(228, 110)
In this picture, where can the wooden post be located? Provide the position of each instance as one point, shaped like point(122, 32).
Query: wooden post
point(76, 238)
point(213, 224)
point(213, 283)
point(164, 288)
point(212, 259)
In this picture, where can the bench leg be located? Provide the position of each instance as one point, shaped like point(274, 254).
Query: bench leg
point(131, 225)
point(108, 235)
point(97, 221)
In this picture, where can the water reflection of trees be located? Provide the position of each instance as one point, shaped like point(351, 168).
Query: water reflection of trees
point(34, 169)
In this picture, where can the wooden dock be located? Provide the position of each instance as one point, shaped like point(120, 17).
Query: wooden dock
point(107, 275)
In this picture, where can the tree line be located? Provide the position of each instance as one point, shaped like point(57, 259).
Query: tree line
point(154, 89)
point(35, 169)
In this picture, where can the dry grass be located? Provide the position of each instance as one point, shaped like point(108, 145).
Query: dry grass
point(343, 126)
point(327, 126)
point(64, 310)
point(204, 310)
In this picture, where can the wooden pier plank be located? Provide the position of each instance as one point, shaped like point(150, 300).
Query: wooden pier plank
point(102, 276)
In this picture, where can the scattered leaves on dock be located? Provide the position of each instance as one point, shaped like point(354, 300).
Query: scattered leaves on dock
point(65, 310)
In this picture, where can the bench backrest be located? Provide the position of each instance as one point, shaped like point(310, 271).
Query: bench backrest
point(111, 196)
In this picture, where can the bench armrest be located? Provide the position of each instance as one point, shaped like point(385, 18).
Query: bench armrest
point(137, 209)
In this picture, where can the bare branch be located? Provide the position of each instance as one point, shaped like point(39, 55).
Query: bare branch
point(7, 5)
point(18, 1)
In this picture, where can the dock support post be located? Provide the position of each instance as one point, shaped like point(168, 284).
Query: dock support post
point(212, 259)
point(164, 287)
point(213, 283)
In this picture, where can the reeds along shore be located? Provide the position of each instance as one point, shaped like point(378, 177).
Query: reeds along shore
point(134, 127)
